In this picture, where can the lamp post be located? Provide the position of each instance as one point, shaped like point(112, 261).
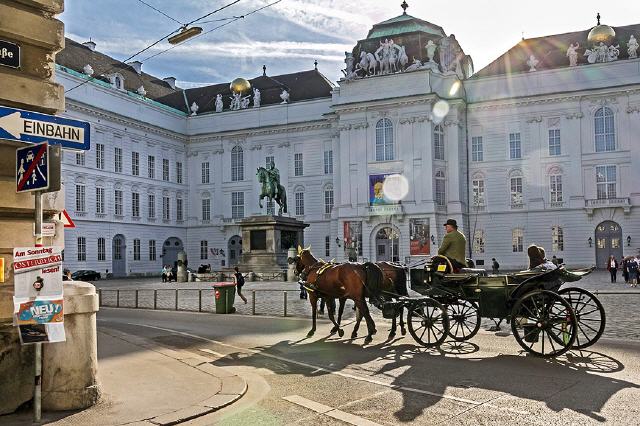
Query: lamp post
point(628, 240)
point(590, 241)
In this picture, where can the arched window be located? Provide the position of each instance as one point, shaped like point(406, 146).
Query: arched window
point(557, 239)
point(237, 164)
point(438, 142)
point(384, 140)
point(604, 130)
point(440, 194)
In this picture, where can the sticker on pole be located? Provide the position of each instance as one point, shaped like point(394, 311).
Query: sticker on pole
point(32, 168)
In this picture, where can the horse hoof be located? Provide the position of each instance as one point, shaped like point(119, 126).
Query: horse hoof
point(310, 334)
point(340, 332)
point(368, 340)
point(354, 335)
point(403, 331)
point(374, 332)
point(392, 335)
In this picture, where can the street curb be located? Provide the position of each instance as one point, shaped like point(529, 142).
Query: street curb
point(232, 388)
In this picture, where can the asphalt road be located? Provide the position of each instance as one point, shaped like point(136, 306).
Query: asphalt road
point(328, 380)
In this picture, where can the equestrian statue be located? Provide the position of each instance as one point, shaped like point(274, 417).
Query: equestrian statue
point(269, 177)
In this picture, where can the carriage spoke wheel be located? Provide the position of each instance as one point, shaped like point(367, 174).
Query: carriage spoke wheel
point(589, 314)
point(464, 319)
point(428, 322)
point(544, 323)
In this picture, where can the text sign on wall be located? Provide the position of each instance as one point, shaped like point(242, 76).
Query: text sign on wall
point(9, 54)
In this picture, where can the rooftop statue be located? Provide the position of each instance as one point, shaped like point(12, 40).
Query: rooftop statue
point(572, 54)
point(218, 103)
point(284, 96)
point(256, 98)
point(532, 62)
point(632, 47)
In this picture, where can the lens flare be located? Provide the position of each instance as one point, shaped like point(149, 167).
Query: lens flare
point(440, 110)
point(395, 187)
point(454, 88)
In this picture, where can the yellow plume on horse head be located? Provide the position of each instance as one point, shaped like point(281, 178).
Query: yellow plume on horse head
point(299, 250)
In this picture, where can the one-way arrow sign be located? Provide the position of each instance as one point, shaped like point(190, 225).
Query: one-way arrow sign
point(28, 126)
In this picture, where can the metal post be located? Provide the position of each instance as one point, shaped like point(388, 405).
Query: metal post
point(136, 299)
point(253, 302)
point(155, 299)
point(99, 297)
point(285, 303)
point(200, 300)
point(118, 298)
point(176, 299)
point(37, 392)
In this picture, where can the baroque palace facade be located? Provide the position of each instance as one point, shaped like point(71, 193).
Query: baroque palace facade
point(541, 146)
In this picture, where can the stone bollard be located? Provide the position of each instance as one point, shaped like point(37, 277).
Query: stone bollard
point(69, 369)
point(291, 269)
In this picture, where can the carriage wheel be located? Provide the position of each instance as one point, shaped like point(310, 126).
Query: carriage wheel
point(589, 313)
point(464, 319)
point(544, 323)
point(428, 322)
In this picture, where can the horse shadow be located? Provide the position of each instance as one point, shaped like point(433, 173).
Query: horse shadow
point(577, 381)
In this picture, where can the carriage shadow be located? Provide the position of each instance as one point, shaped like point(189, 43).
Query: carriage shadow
point(566, 383)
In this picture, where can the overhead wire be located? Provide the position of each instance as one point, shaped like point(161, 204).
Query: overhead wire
point(160, 12)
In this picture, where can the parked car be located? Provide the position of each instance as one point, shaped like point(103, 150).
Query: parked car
point(85, 275)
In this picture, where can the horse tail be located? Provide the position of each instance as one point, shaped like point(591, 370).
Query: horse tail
point(374, 279)
point(401, 281)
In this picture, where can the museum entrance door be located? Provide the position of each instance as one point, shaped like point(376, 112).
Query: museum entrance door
point(387, 245)
point(234, 248)
point(119, 256)
point(170, 249)
point(608, 242)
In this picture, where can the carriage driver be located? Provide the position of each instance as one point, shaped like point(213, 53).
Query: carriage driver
point(453, 245)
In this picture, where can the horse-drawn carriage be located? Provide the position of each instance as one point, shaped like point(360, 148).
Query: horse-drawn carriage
point(545, 319)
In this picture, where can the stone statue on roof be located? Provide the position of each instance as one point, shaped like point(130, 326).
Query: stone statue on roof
point(256, 98)
point(632, 47)
point(431, 50)
point(572, 54)
point(532, 62)
point(284, 96)
point(218, 102)
point(451, 56)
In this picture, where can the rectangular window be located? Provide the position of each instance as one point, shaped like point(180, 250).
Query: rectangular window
point(476, 149)
point(166, 205)
point(517, 198)
point(80, 158)
point(80, 199)
point(135, 204)
point(205, 172)
point(151, 167)
point(99, 200)
point(135, 164)
point(178, 172)
point(478, 192)
point(555, 188)
point(136, 249)
point(237, 205)
point(606, 182)
point(206, 210)
point(117, 160)
point(165, 170)
point(299, 203)
point(328, 162)
point(517, 240)
point(515, 147)
point(327, 246)
point(117, 202)
point(82, 249)
point(99, 156)
point(440, 194)
point(269, 160)
point(557, 239)
point(152, 249)
point(151, 205)
point(179, 216)
point(554, 142)
point(328, 201)
point(204, 250)
point(298, 168)
point(102, 250)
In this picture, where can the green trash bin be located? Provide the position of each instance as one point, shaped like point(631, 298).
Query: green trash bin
point(225, 294)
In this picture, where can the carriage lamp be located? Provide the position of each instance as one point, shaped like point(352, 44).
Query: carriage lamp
point(433, 239)
point(590, 241)
point(628, 240)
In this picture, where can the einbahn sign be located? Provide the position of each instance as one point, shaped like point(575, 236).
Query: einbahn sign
point(33, 127)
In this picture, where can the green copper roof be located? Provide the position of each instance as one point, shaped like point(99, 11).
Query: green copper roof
point(404, 24)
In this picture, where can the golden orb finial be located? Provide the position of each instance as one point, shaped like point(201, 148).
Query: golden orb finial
point(240, 85)
point(601, 33)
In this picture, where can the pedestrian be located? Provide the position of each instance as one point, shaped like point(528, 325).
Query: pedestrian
point(625, 269)
point(495, 266)
point(239, 280)
point(612, 267)
point(633, 272)
point(164, 273)
point(303, 291)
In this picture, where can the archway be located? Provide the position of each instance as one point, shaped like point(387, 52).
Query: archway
point(387, 247)
point(119, 256)
point(608, 242)
point(234, 250)
point(170, 249)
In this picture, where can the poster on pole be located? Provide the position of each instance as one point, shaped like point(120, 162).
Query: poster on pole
point(38, 299)
point(419, 243)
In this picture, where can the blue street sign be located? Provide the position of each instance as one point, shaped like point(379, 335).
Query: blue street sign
point(28, 126)
point(32, 168)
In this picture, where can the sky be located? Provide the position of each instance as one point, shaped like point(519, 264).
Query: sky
point(290, 35)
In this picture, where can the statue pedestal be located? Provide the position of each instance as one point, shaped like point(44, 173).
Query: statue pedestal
point(265, 242)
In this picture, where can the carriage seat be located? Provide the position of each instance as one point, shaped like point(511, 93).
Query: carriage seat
point(477, 271)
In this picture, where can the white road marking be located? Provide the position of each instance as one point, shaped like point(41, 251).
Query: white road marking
point(329, 411)
point(209, 351)
point(336, 372)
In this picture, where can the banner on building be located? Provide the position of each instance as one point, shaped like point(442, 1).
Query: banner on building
point(376, 190)
point(419, 244)
point(353, 236)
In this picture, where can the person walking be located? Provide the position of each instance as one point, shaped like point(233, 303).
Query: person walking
point(239, 280)
point(495, 266)
point(164, 273)
point(625, 269)
point(633, 271)
point(612, 267)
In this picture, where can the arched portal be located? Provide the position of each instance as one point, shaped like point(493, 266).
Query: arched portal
point(608, 242)
point(387, 248)
point(170, 249)
point(119, 256)
point(234, 247)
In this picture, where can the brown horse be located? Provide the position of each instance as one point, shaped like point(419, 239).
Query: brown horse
point(353, 281)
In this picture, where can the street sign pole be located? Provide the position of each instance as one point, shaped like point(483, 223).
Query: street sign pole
point(37, 393)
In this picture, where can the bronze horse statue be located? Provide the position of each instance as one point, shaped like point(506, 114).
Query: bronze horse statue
point(354, 281)
point(274, 191)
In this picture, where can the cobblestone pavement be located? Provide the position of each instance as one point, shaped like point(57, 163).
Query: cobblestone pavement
point(270, 295)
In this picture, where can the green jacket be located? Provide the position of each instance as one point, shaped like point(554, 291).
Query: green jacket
point(453, 246)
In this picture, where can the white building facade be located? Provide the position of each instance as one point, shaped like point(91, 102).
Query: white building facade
point(524, 151)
